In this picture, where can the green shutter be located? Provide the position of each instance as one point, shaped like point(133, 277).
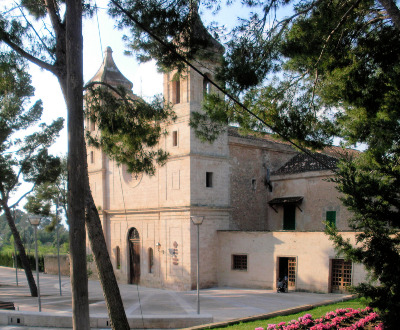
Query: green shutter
point(331, 218)
point(289, 217)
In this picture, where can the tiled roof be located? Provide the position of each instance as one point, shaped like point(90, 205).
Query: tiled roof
point(286, 200)
point(326, 159)
point(234, 132)
point(305, 163)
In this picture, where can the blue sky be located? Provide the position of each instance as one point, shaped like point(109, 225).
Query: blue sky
point(100, 32)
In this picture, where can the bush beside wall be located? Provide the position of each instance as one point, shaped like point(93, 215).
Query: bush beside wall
point(7, 260)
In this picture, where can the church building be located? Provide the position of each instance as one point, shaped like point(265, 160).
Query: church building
point(263, 205)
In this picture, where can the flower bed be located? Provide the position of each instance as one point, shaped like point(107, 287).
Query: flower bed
point(342, 318)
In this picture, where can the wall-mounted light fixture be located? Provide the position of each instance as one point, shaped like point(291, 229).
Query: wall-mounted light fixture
point(158, 246)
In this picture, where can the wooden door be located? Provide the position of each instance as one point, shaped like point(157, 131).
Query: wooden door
point(286, 267)
point(340, 275)
point(134, 256)
point(291, 273)
point(289, 217)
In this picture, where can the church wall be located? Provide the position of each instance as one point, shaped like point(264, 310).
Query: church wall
point(209, 250)
point(169, 186)
point(312, 250)
point(218, 194)
point(319, 195)
point(168, 235)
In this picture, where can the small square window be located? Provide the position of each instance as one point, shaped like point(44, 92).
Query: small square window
point(175, 138)
point(209, 179)
point(239, 261)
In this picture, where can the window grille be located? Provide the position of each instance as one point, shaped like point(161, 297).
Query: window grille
point(239, 261)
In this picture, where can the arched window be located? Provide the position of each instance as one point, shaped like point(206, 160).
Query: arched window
point(90, 124)
point(151, 260)
point(176, 91)
point(118, 257)
point(206, 85)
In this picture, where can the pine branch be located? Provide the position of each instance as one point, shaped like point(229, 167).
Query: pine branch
point(340, 23)
point(37, 34)
point(42, 64)
point(55, 19)
point(23, 196)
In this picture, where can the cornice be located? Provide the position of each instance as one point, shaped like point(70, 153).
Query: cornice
point(202, 208)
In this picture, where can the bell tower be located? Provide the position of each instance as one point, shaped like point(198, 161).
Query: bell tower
point(207, 183)
point(97, 160)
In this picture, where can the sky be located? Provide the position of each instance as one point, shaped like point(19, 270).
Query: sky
point(98, 33)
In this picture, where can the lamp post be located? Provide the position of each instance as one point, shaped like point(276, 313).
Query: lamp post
point(15, 256)
point(58, 248)
point(16, 263)
point(197, 221)
point(35, 221)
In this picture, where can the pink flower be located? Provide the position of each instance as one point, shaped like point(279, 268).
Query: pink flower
point(260, 328)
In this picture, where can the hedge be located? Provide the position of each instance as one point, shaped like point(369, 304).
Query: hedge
point(7, 260)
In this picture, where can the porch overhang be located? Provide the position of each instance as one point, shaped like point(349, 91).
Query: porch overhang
point(296, 200)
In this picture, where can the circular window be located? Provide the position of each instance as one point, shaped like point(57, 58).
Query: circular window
point(132, 179)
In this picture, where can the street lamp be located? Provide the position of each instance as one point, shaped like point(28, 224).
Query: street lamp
point(35, 221)
point(58, 248)
point(15, 255)
point(197, 221)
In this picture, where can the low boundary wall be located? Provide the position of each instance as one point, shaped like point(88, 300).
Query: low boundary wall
point(51, 264)
point(64, 320)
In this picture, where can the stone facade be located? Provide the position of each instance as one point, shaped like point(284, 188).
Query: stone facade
point(159, 207)
point(243, 186)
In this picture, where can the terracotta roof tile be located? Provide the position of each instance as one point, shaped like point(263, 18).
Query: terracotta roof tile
point(305, 163)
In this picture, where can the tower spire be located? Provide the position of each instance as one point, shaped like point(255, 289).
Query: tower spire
point(109, 72)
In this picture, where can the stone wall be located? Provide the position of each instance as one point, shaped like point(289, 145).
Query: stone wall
point(249, 161)
point(51, 264)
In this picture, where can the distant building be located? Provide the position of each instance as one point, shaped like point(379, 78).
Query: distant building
point(264, 205)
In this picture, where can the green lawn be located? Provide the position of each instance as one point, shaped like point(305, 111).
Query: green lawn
point(316, 312)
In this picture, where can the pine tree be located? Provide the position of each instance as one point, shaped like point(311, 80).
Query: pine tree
point(60, 52)
point(22, 158)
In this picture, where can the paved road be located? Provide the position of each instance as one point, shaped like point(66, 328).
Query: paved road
point(223, 303)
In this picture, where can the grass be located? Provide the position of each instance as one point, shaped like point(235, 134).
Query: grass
point(315, 312)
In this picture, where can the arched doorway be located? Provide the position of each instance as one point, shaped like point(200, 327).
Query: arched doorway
point(134, 256)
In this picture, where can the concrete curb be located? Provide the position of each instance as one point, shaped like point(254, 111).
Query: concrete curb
point(64, 320)
point(284, 312)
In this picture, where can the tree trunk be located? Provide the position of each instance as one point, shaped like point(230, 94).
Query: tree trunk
point(76, 166)
point(393, 11)
point(115, 306)
point(21, 250)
